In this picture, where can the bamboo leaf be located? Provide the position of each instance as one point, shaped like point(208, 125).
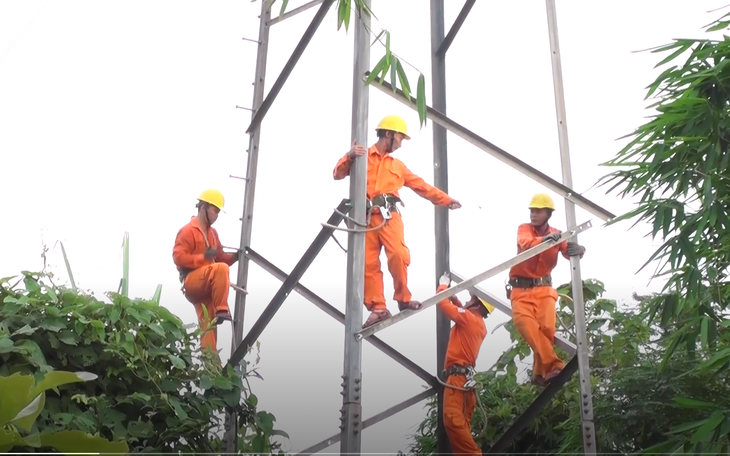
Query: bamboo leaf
point(421, 99)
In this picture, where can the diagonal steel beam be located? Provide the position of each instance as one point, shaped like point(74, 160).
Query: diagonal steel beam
point(293, 12)
point(290, 64)
point(534, 409)
point(500, 154)
point(339, 316)
point(301, 267)
point(526, 255)
point(568, 346)
point(446, 43)
point(371, 421)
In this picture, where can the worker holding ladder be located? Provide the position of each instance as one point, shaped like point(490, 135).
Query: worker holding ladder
point(204, 267)
point(531, 292)
point(385, 176)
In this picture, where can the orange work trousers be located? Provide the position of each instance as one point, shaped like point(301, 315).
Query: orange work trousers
point(390, 237)
point(458, 411)
point(207, 289)
point(533, 314)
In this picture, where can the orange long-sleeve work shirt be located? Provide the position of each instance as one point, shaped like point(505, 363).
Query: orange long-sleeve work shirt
point(539, 265)
point(467, 334)
point(387, 174)
point(190, 245)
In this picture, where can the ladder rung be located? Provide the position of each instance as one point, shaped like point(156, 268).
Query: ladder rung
point(526, 255)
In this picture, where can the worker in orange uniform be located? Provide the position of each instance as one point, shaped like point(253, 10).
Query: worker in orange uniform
point(386, 175)
point(203, 266)
point(531, 292)
point(465, 340)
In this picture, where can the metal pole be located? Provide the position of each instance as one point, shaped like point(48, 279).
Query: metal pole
point(584, 372)
point(294, 12)
point(441, 222)
point(351, 427)
point(239, 309)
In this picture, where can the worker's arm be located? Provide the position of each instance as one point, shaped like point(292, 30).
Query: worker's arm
point(526, 238)
point(424, 190)
point(566, 247)
point(342, 168)
point(223, 257)
point(182, 253)
point(454, 313)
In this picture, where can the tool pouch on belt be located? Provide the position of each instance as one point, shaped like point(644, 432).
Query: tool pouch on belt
point(524, 282)
point(508, 290)
point(385, 204)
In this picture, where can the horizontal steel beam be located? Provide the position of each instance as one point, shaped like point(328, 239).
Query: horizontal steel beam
point(339, 316)
point(290, 64)
point(446, 43)
point(466, 284)
point(499, 154)
point(371, 421)
point(540, 402)
point(301, 267)
point(568, 346)
point(293, 12)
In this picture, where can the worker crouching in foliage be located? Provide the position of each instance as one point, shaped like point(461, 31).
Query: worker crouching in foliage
point(203, 266)
point(465, 340)
point(386, 175)
point(531, 292)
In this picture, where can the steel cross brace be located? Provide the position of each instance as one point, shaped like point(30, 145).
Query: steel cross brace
point(500, 154)
point(289, 284)
point(339, 316)
point(466, 284)
point(534, 409)
point(290, 64)
point(371, 421)
point(568, 346)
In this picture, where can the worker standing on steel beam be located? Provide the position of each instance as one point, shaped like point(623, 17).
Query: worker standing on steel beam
point(204, 267)
point(386, 176)
point(531, 292)
point(465, 340)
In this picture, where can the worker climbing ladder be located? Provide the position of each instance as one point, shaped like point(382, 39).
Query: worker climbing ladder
point(353, 422)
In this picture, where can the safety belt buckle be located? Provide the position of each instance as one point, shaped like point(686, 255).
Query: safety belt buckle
point(471, 383)
point(385, 212)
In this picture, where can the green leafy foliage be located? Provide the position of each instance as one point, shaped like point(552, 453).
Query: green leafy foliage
point(153, 388)
point(22, 400)
point(637, 407)
point(677, 163)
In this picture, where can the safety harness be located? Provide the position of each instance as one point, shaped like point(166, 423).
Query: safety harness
point(526, 282)
point(470, 385)
point(385, 203)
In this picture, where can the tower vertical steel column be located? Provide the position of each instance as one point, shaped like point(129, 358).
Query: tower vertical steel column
point(351, 437)
point(250, 183)
point(441, 180)
point(586, 397)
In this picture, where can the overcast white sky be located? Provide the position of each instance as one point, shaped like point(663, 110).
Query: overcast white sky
point(115, 115)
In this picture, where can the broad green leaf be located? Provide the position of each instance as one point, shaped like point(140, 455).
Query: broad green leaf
point(258, 444)
point(26, 417)
point(14, 396)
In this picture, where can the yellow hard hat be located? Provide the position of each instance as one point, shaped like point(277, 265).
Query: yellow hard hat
point(542, 201)
point(489, 307)
point(394, 123)
point(214, 197)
